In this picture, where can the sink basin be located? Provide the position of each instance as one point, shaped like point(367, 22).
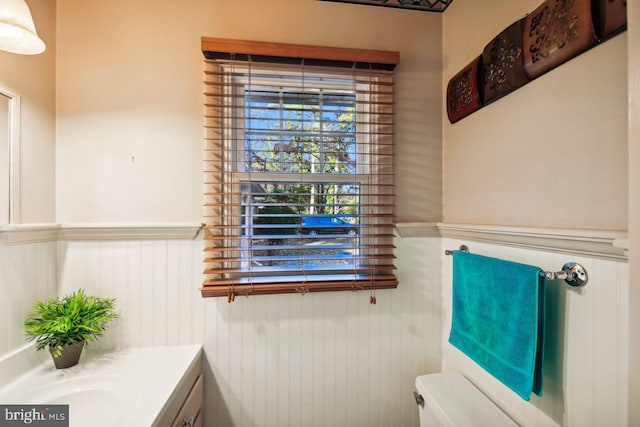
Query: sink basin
point(95, 400)
point(124, 387)
point(92, 407)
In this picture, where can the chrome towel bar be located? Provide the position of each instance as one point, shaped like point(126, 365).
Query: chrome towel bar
point(573, 273)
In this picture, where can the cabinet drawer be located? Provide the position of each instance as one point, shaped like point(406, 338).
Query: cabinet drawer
point(191, 407)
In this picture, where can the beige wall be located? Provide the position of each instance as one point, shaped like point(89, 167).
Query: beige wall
point(129, 136)
point(551, 154)
point(33, 78)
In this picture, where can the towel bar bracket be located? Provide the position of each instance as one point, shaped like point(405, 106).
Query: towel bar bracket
point(573, 273)
point(576, 274)
point(463, 248)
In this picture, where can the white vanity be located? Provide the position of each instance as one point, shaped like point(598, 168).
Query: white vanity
point(149, 386)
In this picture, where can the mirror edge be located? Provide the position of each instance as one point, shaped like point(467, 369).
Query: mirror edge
point(14, 153)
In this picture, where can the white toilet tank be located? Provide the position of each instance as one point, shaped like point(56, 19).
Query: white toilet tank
point(450, 400)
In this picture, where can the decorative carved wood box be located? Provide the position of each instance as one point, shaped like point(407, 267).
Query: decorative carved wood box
point(612, 17)
point(502, 64)
point(555, 32)
point(463, 95)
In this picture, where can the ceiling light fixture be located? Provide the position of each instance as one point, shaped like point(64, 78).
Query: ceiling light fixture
point(17, 30)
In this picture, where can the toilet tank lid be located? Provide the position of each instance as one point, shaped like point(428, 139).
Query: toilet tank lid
point(457, 402)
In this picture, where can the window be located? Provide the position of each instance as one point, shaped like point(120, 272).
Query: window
point(299, 174)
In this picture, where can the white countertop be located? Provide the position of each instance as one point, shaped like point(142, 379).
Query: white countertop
point(124, 387)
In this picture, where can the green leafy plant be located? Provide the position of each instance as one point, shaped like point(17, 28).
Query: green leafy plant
point(60, 322)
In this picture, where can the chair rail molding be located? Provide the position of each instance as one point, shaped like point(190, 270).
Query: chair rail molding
point(417, 229)
point(23, 234)
point(125, 231)
point(605, 244)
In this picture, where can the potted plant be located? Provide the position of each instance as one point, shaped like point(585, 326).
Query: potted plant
point(65, 324)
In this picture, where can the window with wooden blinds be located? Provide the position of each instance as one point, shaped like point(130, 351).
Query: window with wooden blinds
point(299, 191)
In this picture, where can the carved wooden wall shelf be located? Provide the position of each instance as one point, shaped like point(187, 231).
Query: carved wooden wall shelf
point(463, 93)
point(612, 15)
point(503, 65)
point(426, 5)
point(554, 33)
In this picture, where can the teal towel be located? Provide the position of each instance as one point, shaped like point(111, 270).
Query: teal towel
point(498, 319)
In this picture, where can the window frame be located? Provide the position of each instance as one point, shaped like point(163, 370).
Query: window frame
point(226, 225)
point(241, 86)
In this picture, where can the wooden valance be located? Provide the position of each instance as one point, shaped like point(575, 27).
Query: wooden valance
point(217, 48)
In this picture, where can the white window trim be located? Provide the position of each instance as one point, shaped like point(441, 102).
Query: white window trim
point(360, 178)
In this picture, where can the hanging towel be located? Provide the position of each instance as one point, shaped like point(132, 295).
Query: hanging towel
point(498, 319)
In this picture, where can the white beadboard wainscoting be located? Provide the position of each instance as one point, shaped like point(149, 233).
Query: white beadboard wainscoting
point(586, 347)
point(28, 273)
point(155, 283)
point(332, 359)
point(324, 359)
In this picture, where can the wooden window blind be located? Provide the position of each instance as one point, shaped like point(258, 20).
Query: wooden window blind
point(299, 181)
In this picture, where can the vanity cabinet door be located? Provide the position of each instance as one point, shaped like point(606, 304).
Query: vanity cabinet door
point(190, 411)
